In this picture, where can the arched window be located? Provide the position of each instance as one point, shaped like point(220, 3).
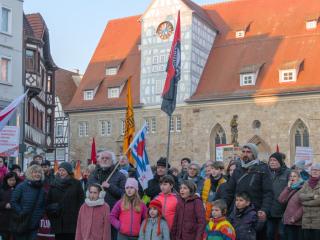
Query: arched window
point(220, 136)
point(301, 135)
point(217, 136)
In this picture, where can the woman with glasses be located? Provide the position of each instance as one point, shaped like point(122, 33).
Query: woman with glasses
point(193, 174)
point(310, 198)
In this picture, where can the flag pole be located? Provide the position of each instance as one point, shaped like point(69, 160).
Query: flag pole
point(117, 165)
point(168, 147)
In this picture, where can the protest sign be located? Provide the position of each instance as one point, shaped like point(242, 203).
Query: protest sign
point(305, 153)
point(219, 151)
point(9, 141)
point(231, 153)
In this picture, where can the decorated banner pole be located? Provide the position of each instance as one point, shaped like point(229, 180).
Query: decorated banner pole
point(168, 147)
point(125, 153)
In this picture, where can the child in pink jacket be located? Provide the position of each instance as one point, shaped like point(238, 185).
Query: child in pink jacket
point(3, 169)
point(129, 212)
point(93, 220)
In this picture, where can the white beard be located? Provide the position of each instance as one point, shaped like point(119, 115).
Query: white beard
point(105, 165)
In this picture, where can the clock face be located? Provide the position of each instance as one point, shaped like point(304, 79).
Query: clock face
point(165, 30)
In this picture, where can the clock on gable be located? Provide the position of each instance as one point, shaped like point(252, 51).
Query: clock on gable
point(165, 30)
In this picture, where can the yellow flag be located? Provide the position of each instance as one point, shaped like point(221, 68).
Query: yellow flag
point(130, 127)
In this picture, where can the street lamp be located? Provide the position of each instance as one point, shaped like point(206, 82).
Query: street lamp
point(33, 153)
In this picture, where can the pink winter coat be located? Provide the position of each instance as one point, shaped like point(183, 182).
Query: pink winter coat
point(3, 170)
point(128, 222)
point(93, 223)
point(294, 206)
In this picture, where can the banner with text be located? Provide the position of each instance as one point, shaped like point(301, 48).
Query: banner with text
point(9, 141)
point(305, 153)
point(219, 151)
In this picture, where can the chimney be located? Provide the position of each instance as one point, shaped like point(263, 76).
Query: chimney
point(75, 71)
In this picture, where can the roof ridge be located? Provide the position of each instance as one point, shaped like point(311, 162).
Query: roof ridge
point(220, 3)
point(125, 17)
point(69, 71)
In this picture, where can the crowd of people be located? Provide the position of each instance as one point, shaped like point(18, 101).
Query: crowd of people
point(250, 199)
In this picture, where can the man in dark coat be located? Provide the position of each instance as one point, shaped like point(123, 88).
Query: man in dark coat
point(280, 176)
point(115, 187)
point(184, 165)
point(48, 176)
point(153, 184)
point(253, 177)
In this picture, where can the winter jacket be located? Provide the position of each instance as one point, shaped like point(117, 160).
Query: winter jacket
point(304, 175)
point(311, 206)
point(219, 229)
point(3, 170)
point(93, 223)
point(246, 223)
point(70, 207)
point(48, 179)
point(208, 193)
point(117, 184)
point(181, 174)
point(294, 206)
point(152, 230)
point(198, 180)
point(280, 179)
point(220, 192)
point(23, 198)
point(132, 173)
point(169, 204)
point(5, 198)
point(189, 221)
point(127, 222)
point(256, 182)
point(154, 186)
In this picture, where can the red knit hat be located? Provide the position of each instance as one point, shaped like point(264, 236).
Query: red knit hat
point(158, 205)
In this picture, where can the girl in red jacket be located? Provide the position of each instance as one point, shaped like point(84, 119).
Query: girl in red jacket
point(129, 212)
point(93, 220)
point(190, 219)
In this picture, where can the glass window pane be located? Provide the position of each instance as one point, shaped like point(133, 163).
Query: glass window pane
point(49, 84)
point(147, 122)
point(306, 139)
point(217, 139)
point(4, 70)
point(224, 139)
point(298, 139)
point(5, 20)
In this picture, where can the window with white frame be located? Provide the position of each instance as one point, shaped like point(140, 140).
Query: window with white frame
point(112, 71)
point(80, 129)
point(172, 125)
point(162, 68)
point(108, 128)
point(247, 79)
point(287, 76)
point(6, 19)
point(155, 60)
point(153, 125)
point(147, 122)
point(178, 124)
point(158, 87)
point(154, 68)
point(88, 95)
point(240, 34)
point(162, 58)
point(59, 130)
point(60, 154)
point(114, 92)
point(102, 128)
point(86, 129)
point(312, 24)
point(123, 127)
point(5, 69)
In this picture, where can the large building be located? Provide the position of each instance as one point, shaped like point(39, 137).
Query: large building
point(254, 59)
point(40, 80)
point(11, 56)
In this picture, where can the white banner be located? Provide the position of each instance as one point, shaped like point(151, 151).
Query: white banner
point(305, 153)
point(9, 141)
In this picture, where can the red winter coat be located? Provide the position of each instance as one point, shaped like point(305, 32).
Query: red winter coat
point(190, 220)
point(294, 206)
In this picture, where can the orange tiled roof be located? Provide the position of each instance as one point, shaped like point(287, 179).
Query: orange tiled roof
point(37, 23)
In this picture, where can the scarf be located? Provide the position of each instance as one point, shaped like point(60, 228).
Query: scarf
point(195, 180)
point(98, 202)
point(240, 213)
point(249, 164)
point(35, 184)
point(62, 182)
point(313, 181)
point(297, 184)
point(126, 168)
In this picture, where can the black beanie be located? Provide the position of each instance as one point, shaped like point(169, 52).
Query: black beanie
point(162, 162)
point(277, 156)
point(15, 166)
point(187, 159)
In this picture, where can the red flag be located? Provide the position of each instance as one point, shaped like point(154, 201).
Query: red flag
point(56, 166)
point(169, 93)
point(93, 153)
point(277, 148)
point(77, 172)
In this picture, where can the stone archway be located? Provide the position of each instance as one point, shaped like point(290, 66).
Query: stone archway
point(263, 148)
point(216, 130)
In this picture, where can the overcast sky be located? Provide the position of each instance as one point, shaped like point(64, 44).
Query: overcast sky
point(76, 26)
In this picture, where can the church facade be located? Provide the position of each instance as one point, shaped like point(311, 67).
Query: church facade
point(244, 58)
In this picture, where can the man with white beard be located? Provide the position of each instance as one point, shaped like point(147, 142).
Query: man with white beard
point(115, 187)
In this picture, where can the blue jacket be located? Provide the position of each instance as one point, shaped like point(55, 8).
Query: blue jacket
point(304, 175)
point(22, 200)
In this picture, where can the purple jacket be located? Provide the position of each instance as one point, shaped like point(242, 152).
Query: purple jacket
point(190, 219)
point(294, 206)
point(246, 223)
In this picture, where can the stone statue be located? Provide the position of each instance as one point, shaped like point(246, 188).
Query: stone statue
point(234, 131)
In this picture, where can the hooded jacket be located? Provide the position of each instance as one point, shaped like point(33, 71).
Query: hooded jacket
point(246, 223)
point(189, 221)
point(256, 182)
point(280, 178)
point(93, 223)
point(294, 206)
point(152, 230)
point(311, 206)
point(219, 229)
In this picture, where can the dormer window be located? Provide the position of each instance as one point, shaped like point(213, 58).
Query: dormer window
point(312, 25)
point(312, 21)
point(240, 34)
point(91, 88)
point(113, 66)
point(88, 95)
point(249, 74)
point(289, 71)
point(114, 92)
point(112, 71)
point(115, 87)
point(240, 29)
